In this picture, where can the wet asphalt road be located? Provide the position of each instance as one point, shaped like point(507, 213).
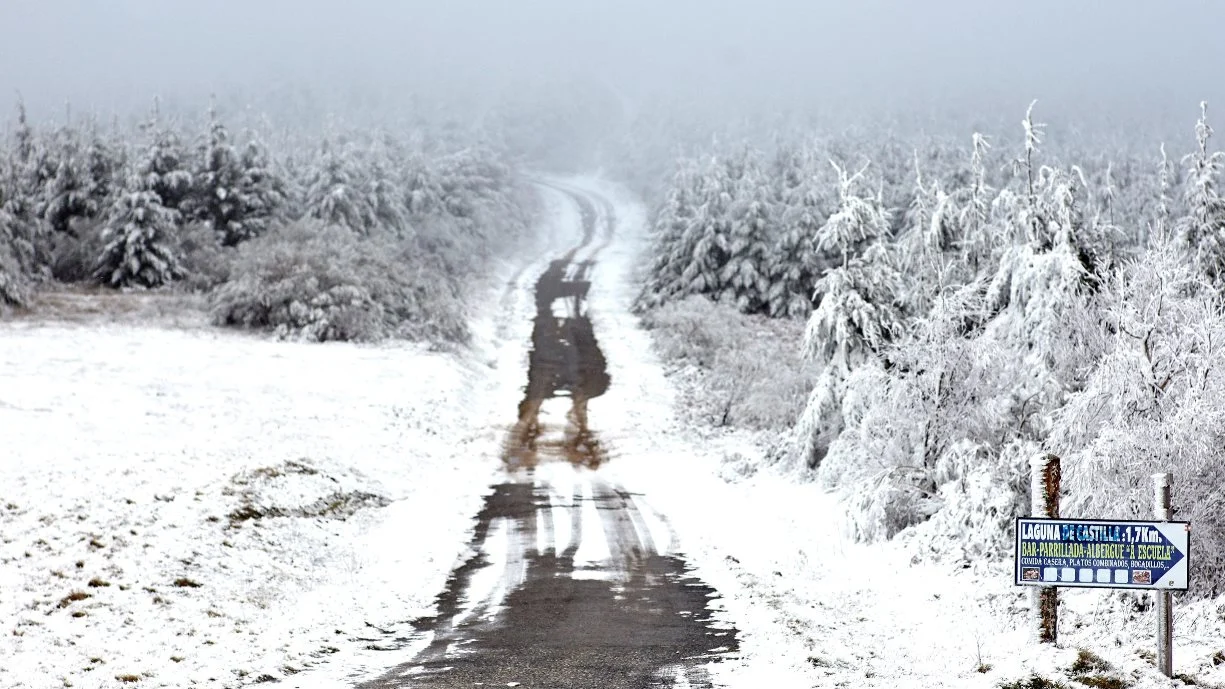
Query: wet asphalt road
point(567, 587)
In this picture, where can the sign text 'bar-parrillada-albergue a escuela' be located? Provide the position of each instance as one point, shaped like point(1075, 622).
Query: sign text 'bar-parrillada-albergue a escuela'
point(1102, 554)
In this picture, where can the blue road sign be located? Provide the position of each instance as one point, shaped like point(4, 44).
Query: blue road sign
point(1102, 554)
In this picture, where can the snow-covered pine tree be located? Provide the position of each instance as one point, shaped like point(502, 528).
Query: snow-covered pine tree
point(13, 280)
point(66, 195)
point(21, 226)
point(669, 254)
point(163, 168)
point(856, 315)
point(745, 276)
point(103, 163)
point(797, 261)
point(709, 233)
point(1202, 231)
point(1153, 397)
point(217, 195)
point(1165, 170)
point(334, 194)
point(855, 319)
point(386, 199)
point(929, 234)
point(1027, 225)
point(262, 189)
point(25, 146)
point(978, 240)
point(858, 221)
point(138, 236)
point(422, 191)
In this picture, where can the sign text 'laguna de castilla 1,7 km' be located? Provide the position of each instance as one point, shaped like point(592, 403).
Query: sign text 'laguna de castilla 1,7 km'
point(1102, 554)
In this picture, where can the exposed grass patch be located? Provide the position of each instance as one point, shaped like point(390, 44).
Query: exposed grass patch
point(1033, 682)
point(1088, 661)
point(128, 678)
point(1103, 682)
point(338, 505)
point(97, 583)
point(73, 598)
point(343, 505)
point(248, 512)
point(184, 582)
point(289, 467)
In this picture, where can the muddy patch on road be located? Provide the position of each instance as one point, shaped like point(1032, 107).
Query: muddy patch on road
point(565, 361)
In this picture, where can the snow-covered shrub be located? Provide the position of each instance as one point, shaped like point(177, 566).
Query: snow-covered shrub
point(324, 283)
point(751, 372)
point(75, 260)
point(206, 262)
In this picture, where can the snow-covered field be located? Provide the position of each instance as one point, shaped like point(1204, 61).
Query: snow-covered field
point(182, 506)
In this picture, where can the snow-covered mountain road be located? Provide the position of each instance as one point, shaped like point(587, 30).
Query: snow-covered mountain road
point(569, 581)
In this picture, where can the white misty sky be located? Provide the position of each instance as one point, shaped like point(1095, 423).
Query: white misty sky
point(1081, 55)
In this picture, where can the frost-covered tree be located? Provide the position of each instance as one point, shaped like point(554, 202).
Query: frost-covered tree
point(262, 190)
point(854, 320)
point(670, 253)
point(929, 234)
point(745, 276)
point(386, 200)
point(164, 167)
point(709, 233)
point(797, 261)
point(13, 280)
point(335, 194)
point(138, 250)
point(1025, 223)
point(217, 197)
point(1165, 171)
point(978, 238)
point(66, 195)
point(858, 221)
point(1202, 231)
point(23, 231)
point(422, 191)
point(104, 163)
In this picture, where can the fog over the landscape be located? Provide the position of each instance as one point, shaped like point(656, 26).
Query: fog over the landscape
point(1124, 59)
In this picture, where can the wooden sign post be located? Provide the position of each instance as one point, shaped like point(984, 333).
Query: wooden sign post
point(1163, 511)
point(1044, 502)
